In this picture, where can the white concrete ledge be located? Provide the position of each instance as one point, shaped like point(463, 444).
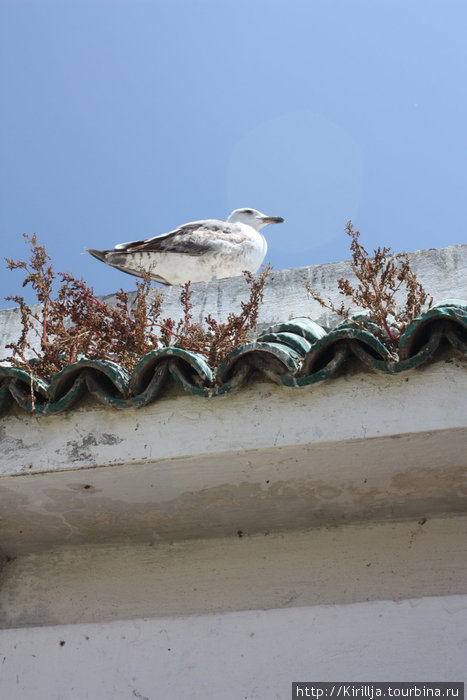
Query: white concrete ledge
point(252, 654)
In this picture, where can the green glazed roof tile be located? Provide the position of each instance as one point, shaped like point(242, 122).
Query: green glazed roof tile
point(328, 369)
point(359, 322)
point(457, 303)
point(28, 391)
point(300, 326)
point(191, 371)
point(296, 353)
point(296, 342)
point(416, 333)
point(271, 359)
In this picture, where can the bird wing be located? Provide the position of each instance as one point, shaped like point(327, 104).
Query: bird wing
point(194, 238)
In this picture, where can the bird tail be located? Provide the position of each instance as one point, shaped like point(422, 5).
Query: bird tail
point(99, 254)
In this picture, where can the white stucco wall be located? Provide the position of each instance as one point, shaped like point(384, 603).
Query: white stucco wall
point(252, 655)
point(443, 272)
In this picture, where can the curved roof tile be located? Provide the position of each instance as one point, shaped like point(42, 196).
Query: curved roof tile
point(296, 353)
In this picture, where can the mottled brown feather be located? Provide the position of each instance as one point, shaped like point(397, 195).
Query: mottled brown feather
point(188, 239)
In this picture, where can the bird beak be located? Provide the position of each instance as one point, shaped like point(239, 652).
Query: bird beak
point(272, 219)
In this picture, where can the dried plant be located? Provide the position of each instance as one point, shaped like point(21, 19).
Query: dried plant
point(75, 323)
point(380, 279)
point(216, 339)
point(238, 327)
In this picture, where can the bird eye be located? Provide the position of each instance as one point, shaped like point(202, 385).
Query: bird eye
point(248, 211)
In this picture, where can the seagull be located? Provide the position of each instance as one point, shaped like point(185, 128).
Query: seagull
point(196, 251)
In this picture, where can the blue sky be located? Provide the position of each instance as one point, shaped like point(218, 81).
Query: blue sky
point(121, 119)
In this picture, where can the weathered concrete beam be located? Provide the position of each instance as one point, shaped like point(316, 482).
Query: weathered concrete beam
point(423, 556)
point(363, 447)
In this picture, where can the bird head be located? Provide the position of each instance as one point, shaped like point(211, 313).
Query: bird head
point(253, 218)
